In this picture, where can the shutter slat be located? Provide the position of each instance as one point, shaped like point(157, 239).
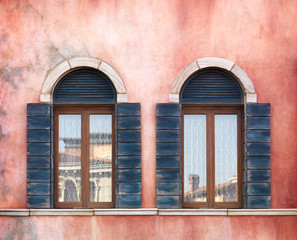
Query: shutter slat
point(128, 155)
point(39, 149)
point(168, 150)
point(257, 170)
point(211, 86)
point(85, 86)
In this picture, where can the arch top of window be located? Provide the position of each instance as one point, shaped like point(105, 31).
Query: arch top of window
point(250, 95)
point(57, 73)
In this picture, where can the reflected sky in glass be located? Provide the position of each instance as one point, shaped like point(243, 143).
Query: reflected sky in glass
point(75, 132)
point(100, 172)
point(70, 158)
point(69, 127)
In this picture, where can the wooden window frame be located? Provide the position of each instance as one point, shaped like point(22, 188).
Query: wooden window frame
point(210, 112)
point(84, 111)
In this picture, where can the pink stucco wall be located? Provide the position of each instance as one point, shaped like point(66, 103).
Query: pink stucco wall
point(149, 227)
point(148, 43)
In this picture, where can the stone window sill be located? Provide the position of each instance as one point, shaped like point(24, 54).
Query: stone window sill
point(148, 212)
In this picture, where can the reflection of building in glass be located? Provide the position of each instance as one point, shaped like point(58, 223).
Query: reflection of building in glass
point(225, 192)
point(100, 169)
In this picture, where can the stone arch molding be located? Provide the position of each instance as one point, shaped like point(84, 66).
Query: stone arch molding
point(245, 82)
point(64, 67)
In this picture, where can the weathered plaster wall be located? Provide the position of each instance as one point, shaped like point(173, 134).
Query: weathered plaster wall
point(148, 43)
point(149, 227)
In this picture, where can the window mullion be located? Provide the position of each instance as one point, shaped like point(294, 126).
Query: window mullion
point(84, 159)
point(239, 159)
point(210, 159)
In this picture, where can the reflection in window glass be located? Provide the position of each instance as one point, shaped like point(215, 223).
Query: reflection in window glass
point(225, 158)
point(195, 158)
point(69, 158)
point(100, 171)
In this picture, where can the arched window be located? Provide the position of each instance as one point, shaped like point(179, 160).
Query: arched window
point(83, 130)
point(213, 140)
point(84, 138)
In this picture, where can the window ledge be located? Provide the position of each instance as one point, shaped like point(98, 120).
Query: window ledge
point(147, 212)
point(193, 212)
point(61, 212)
point(121, 211)
point(262, 212)
point(14, 212)
point(229, 212)
point(78, 212)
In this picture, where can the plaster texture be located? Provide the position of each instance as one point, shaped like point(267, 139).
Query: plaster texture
point(148, 227)
point(148, 43)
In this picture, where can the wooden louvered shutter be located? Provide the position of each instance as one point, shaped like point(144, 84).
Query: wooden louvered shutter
point(39, 156)
point(128, 155)
point(84, 86)
point(168, 155)
point(257, 155)
point(211, 86)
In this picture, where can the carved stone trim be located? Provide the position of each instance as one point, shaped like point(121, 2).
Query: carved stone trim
point(243, 79)
point(63, 68)
point(148, 211)
point(193, 212)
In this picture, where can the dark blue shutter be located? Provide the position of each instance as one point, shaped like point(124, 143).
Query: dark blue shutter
point(84, 86)
point(211, 86)
point(39, 162)
point(168, 155)
point(257, 156)
point(128, 156)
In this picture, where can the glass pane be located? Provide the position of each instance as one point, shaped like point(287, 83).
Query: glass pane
point(226, 158)
point(69, 158)
point(100, 158)
point(195, 158)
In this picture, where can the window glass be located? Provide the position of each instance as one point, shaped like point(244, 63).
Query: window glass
point(100, 157)
point(212, 157)
point(69, 158)
point(226, 158)
point(195, 158)
point(84, 159)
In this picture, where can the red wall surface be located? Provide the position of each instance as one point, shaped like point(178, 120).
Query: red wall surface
point(148, 43)
point(149, 227)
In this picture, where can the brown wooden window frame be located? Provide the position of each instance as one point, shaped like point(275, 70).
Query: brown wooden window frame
point(84, 111)
point(210, 112)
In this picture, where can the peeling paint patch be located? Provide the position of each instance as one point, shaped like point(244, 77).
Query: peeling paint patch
point(15, 5)
point(54, 57)
point(1, 132)
point(11, 75)
point(73, 47)
point(21, 228)
point(3, 114)
point(3, 37)
point(29, 10)
point(4, 190)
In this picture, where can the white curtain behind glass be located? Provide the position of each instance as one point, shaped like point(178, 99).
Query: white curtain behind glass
point(194, 154)
point(226, 158)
